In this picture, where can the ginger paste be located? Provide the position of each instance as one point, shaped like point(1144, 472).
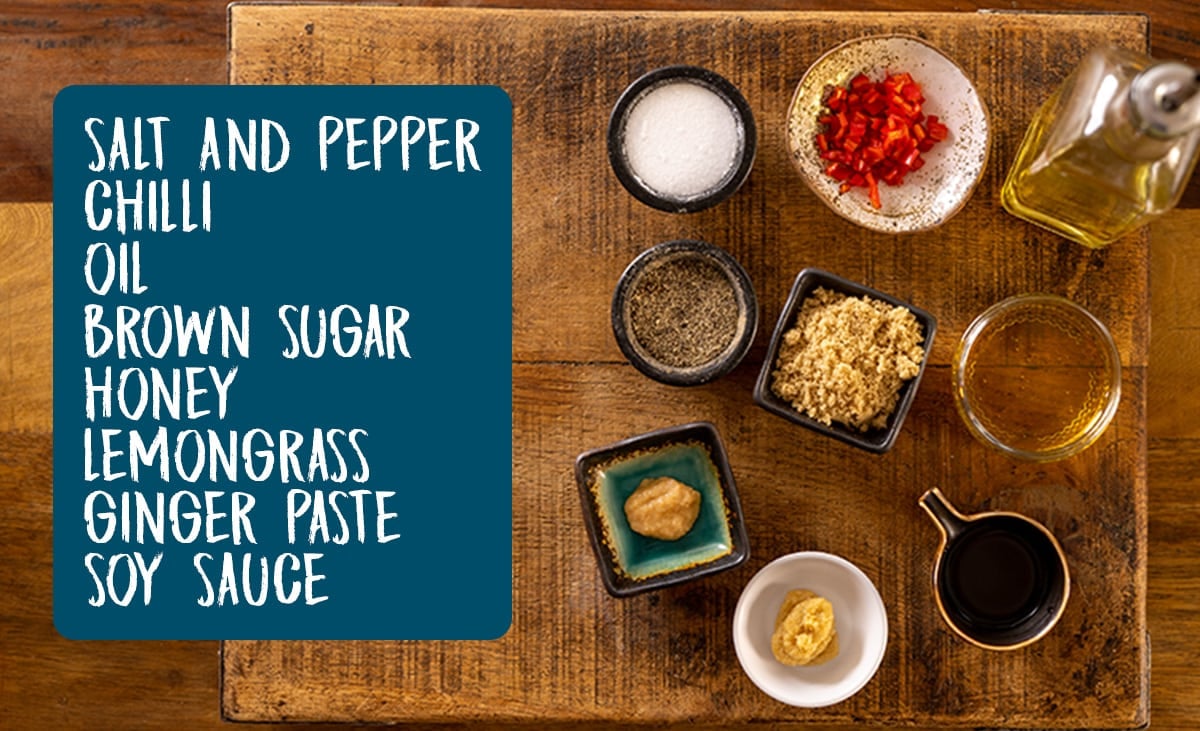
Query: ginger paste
point(663, 508)
point(804, 630)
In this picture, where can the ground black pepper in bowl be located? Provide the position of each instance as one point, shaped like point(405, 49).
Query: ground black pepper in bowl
point(684, 312)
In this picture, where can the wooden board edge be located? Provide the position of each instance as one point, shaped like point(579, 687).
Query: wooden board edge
point(223, 688)
point(1141, 487)
point(248, 9)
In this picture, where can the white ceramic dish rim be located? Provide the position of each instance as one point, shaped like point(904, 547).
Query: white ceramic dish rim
point(923, 207)
point(868, 666)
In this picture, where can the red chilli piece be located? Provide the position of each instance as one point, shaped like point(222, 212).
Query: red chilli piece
point(876, 131)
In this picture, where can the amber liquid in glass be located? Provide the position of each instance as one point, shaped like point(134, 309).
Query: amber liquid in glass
point(1037, 381)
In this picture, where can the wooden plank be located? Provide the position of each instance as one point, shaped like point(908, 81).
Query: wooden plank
point(26, 402)
point(668, 657)
point(47, 44)
point(1175, 345)
point(1174, 576)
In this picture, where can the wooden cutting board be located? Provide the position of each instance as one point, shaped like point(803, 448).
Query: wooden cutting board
point(576, 654)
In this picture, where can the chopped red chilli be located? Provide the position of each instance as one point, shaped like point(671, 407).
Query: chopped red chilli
point(876, 131)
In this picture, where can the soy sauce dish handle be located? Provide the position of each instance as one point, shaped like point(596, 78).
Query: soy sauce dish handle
point(949, 520)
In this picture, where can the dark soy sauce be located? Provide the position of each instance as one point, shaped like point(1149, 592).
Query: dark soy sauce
point(993, 576)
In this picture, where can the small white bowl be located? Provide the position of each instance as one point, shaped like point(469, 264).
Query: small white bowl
point(929, 196)
point(859, 617)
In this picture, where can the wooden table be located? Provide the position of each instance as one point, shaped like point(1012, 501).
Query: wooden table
point(48, 682)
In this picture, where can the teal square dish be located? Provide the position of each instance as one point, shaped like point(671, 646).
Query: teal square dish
point(631, 563)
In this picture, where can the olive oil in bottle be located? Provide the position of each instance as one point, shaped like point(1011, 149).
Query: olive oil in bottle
point(1110, 150)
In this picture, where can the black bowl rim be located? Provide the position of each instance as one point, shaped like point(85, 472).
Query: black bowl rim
point(807, 280)
point(701, 431)
point(716, 83)
point(712, 370)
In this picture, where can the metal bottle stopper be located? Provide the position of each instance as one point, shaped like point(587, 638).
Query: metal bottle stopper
point(1165, 99)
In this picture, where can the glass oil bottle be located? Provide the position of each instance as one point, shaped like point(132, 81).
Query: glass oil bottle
point(1110, 150)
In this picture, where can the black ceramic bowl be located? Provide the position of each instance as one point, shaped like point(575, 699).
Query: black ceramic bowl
point(631, 563)
point(733, 179)
point(726, 360)
point(873, 440)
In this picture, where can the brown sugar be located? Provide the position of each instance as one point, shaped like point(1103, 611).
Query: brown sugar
point(846, 359)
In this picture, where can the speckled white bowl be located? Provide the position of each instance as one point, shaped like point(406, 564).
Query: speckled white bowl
point(859, 616)
point(929, 196)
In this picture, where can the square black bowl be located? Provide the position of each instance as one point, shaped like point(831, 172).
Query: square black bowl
point(631, 563)
point(877, 441)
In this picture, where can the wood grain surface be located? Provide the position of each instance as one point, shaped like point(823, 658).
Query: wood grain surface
point(48, 44)
point(669, 657)
point(49, 682)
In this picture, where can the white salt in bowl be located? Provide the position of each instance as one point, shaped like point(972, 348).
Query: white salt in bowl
point(859, 618)
point(681, 139)
point(929, 196)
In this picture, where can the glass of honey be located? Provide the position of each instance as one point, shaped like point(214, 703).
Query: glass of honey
point(1037, 377)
